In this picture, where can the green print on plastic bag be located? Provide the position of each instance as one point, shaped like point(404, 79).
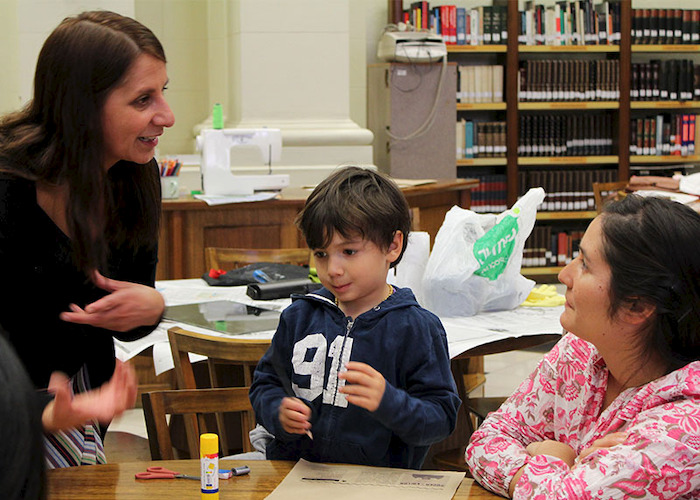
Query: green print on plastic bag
point(493, 249)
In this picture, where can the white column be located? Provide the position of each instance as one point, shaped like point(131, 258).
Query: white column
point(285, 64)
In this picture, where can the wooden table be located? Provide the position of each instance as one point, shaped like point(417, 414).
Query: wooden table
point(116, 481)
point(190, 225)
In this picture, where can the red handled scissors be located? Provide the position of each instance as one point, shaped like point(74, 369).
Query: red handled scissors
point(163, 473)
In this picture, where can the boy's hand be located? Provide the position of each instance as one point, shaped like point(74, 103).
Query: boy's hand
point(294, 416)
point(365, 385)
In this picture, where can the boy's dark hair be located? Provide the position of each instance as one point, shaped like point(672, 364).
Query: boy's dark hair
point(355, 201)
point(650, 245)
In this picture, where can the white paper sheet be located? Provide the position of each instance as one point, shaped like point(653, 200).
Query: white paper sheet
point(224, 200)
point(462, 333)
point(350, 482)
point(472, 331)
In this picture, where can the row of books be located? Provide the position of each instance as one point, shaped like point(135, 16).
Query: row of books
point(565, 135)
point(484, 25)
point(577, 22)
point(569, 80)
point(671, 79)
point(665, 134)
point(480, 139)
point(566, 190)
point(491, 195)
point(665, 26)
point(480, 83)
point(550, 247)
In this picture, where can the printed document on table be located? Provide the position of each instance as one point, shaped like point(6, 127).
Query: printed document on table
point(464, 333)
point(346, 482)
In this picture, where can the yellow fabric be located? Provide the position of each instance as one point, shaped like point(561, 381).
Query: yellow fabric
point(544, 296)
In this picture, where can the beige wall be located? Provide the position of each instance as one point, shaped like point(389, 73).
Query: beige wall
point(190, 43)
point(192, 47)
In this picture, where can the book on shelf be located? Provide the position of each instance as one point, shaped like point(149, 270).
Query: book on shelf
point(570, 23)
point(569, 80)
point(460, 140)
point(671, 79)
point(664, 134)
point(469, 139)
point(563, 246)
point(665, 26)
point(483, 25)
point(480, 83)
point(490, 195)
point(566, 190)
point(481, 139)
point(565, 135)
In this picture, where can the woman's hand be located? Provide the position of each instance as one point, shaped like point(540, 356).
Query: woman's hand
point(128, 305)
point(553, 448)
point(612, 439)
point(548, 447)
point(365, 385)
point(103, 404)
point(294, 416)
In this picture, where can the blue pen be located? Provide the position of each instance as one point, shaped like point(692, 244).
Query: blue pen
point(261, 276)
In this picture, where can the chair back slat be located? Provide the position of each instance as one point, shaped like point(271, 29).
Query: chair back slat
point(158, 404)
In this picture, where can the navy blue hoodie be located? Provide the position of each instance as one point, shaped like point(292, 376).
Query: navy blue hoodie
point(404, 342)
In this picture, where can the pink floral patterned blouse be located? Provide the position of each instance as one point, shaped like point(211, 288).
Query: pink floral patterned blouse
point(562, 400)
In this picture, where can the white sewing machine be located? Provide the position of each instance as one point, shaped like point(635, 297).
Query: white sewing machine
point(216, 146)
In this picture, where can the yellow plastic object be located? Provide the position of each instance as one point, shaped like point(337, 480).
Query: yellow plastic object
point(209, 457)
point(544, 296)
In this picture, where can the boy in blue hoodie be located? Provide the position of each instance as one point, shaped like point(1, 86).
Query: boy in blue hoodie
point(357, 372)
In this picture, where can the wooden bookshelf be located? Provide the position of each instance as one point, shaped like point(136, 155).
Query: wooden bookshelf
point(481, 106)
point(664, 48)
point(619, 110)
point(541, 271)
point(590, 49)
point(482, 162)
point(669, 159)
point(568, 215)
point(484, 49)
point(665, 104)
point(568, 160)
point(567, 105)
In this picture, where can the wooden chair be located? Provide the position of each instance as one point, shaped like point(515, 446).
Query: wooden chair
point(219, 350)
point(475, 410)
point(158, 404)
point(232, 258)
point(605, 192)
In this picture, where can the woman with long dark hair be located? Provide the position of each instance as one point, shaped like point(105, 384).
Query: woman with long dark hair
point(613, 411)
point(80, 205)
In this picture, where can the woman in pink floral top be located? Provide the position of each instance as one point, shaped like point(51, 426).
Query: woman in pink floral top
point(613, 411)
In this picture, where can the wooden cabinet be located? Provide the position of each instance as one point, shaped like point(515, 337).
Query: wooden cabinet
point(189, 225)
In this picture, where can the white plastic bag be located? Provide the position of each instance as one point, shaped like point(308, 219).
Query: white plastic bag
point(475, 262)
point(409, 272)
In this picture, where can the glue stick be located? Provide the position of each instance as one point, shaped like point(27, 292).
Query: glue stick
point(209, 458)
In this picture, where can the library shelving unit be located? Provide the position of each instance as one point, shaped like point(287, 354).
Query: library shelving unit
point(639, 108)
point(619, 111)
point(477, 55)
